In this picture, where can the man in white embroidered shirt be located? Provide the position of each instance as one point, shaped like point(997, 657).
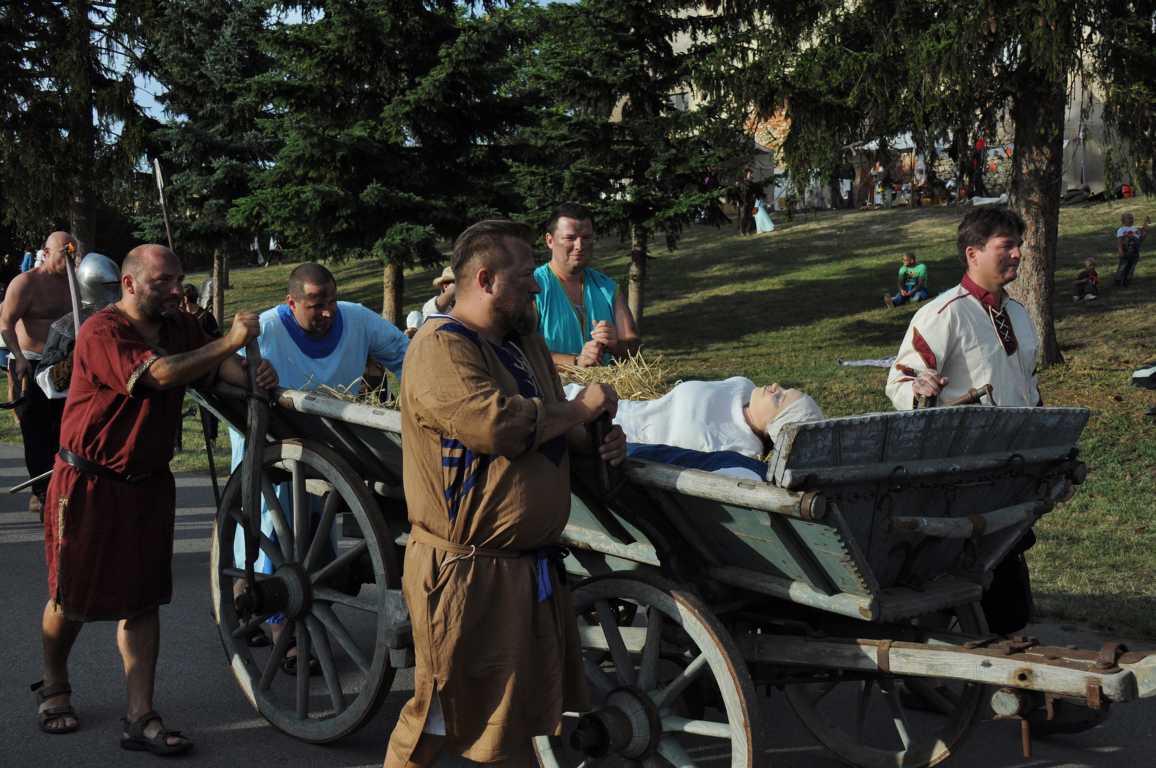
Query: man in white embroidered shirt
point(969, 336)
point(972, 334)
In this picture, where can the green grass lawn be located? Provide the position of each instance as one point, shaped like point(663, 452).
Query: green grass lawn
point(787, 306)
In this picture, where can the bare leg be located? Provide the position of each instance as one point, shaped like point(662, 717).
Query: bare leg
point(138, 639)
point(425, 754)
point(57, 636)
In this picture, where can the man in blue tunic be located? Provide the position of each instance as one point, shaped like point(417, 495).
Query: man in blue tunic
point(581, 313)
point(318, 341)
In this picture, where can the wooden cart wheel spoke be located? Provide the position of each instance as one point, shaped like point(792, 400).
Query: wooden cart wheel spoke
point(327, 595)
point(862, 706)
point(277, 516)
point(940, 698)
point(246, 629)
point(237, 573)
point(673, 752)
point(347, 636)
point(691, 685)
point(667, 695)
point(898, 716)
point(321, 538)
point(608, 621)
point(927, 717)
point(338, 564)
point(715, 730)
point(324, 655)
point(273, 663)
point(597, 678)
point(333, 624)
point(267, 545)
point(300, 512)
point(648, 666)
point(302, 695)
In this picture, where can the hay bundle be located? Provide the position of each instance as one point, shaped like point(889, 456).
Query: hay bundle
point(377, 397)
point(634, 378)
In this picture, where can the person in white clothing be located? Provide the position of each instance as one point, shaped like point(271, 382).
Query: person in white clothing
point(972, 334)
point(967, 337)
point(711, 416)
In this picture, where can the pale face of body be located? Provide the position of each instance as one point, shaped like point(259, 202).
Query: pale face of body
point(766, 403)
point(996, 263)
point(315, 310)
point(571, 246)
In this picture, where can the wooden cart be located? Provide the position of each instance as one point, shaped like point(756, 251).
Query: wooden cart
point(850, 584)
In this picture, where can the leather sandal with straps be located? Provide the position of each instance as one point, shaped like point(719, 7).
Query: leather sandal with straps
point(134, 737)
point(46, 715)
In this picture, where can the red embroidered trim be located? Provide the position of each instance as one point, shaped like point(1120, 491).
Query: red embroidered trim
point(924, 349)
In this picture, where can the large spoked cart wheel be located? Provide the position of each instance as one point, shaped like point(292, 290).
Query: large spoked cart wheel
point(667, 684)
point(330, 590)
point(895, 721)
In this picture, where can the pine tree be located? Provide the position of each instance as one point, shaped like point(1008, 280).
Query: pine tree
point(388, 124)
point(632, 118)
point(68, 117)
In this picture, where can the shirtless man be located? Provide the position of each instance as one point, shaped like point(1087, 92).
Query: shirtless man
point(33, 301)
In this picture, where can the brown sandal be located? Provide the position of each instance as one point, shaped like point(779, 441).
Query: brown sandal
point(134, 737)
point(46, 715)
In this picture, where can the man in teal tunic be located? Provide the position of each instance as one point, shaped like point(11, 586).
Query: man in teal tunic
point(582, 314)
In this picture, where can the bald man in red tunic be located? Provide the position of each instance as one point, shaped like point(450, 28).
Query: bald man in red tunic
point(110, 509)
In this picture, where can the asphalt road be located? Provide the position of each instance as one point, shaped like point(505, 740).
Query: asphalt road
point(196, 691)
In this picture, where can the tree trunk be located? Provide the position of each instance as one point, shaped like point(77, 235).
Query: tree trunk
point(393, 281)
point(636, 293)
point(1037, 167)
point(81, 133)
point(225, 271)
point(219, 286)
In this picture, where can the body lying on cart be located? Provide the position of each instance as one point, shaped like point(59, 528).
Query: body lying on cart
point(850, 582)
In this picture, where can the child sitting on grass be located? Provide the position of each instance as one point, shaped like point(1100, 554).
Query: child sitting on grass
point(912, 282)
point(1087, 284)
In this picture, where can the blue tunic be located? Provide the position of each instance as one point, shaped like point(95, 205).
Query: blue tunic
point(305, 362)
point(558, 319)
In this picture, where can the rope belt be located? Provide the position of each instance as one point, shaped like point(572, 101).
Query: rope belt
point(542, 557)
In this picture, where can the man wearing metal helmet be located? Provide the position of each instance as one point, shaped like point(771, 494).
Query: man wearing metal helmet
point(98, 279)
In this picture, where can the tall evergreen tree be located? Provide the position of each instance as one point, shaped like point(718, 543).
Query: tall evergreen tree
point(633, 117)
point(204, 53)
point(389, 123)
point(68, 117)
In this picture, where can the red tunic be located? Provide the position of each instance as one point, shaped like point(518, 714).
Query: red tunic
point(109, 544)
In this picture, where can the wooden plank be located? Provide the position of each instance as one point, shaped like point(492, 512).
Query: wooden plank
point(978, 524)
point(922, 435)
point(859, 607)
point(927, 660)
point(707, 485)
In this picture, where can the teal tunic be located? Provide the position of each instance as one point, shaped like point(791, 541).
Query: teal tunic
point(558, 318)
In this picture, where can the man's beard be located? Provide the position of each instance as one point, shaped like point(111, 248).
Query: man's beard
point(520, 320)
point(156, 310)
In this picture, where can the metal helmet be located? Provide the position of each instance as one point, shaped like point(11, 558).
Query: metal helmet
point(98, 277)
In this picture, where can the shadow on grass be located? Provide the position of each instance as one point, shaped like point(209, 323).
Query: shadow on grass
point(1124, 615)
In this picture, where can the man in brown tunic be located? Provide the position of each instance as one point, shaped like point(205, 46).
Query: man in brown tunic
point(108, 523)
point(486, 431)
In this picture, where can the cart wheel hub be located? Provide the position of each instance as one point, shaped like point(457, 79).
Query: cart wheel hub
point(288, 592)
point(627, 724)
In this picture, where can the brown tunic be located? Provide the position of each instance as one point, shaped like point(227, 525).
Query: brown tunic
point(503, 657)
point(109, 544)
